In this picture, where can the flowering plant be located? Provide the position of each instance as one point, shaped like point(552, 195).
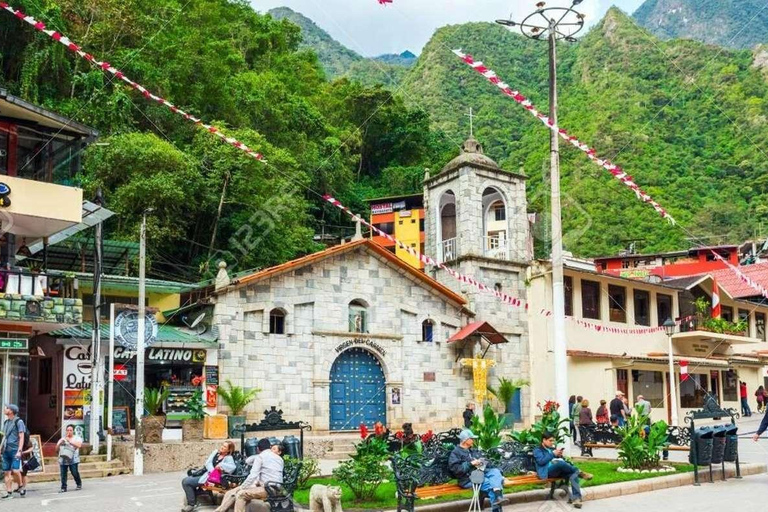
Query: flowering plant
point(427, 437)
point(550, 422)
point(363, 431)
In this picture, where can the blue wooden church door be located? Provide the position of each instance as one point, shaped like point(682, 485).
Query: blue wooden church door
point(358, 390)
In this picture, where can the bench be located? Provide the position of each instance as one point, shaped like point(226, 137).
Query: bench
point(426, 475)
point(279, 495)
point(603, 435)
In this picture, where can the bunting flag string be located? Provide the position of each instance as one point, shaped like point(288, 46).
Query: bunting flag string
point(615, 170)
point(106, 66)
point(385, 2)
point(745, 278)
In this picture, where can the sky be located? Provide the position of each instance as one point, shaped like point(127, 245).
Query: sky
point(371, 29)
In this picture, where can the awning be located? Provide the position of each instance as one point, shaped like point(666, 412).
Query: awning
point(92, 214)
point(165, 334)
point(483, 329)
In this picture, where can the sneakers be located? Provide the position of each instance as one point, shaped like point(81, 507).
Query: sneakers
point(62, 490)
point(585, 476)
point(22, 491)
point(8, 496)
point(79, 488)
point(577, 503)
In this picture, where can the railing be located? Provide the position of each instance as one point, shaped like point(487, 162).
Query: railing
point(37, 284)
point(694, 323)
point(448, 250)
point(496, 247)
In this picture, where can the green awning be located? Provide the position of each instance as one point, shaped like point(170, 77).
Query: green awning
point(165, 334)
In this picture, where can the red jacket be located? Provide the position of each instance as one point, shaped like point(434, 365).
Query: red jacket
point(743, 389)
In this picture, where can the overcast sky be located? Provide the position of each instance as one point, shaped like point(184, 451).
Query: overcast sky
point(372, 29)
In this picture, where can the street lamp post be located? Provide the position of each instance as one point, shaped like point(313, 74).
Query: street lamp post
point(554, 23)
point(669, 327)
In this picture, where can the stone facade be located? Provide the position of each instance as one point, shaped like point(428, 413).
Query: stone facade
point(472, 178)
point(293, 369)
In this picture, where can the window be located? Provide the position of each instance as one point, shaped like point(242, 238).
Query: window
point(421, 224)
point(621, 381)
point(730, 386)
point(387, 227)
point(693, 391)
point(624, 263)
point(744, 316)
point(499, 212)
point(663, 307)
point(277, 321)
point(590, 300)
point(649, 384)
point(358, 316)
point(642, 307)
point(726, 313)
point(497, 287)
point(760, 325)
point(45, 376)
point(617, 303)
point(427, 330)
point(568, 289)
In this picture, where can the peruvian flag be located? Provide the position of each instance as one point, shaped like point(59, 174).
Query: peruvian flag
point(716, 309)
point(683, 371)
point(384, 2)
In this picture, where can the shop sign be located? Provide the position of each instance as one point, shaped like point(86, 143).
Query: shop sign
point(5, 191)
point(405, 213)
point(127, 329)
point(211, 395)
point(165, 355)
point(634, 274)
point(212, 375)
point(361, 341)
point(400, 205)
point(381, 208)
point(77, 385)
point(14, 344)
point(120, 372)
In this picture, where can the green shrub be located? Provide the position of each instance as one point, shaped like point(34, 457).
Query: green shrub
point(488, 431)
point(638, 450)
point(309, 467)
point(154, 398)
point(196, 406)
point(362, 474)
point(237, 398)
point(550, 422)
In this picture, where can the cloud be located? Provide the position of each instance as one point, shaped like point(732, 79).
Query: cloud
point(372, 29)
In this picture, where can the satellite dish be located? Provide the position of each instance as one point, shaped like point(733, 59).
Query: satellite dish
point(197, 320)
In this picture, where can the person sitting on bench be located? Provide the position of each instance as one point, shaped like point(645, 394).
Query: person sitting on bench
point(550, 464)
point(464, 460)
point(266, 467)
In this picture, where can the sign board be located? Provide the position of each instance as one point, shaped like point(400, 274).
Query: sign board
point(361, 341)
point(120, 372)
point(13, 344)
point(76, 387)
point(164, 355)
point(395, 396)
point(381, 208)
point(212, 375)
point(127, 328)
point(634, 274)
point(121, 420)
point(37, 451)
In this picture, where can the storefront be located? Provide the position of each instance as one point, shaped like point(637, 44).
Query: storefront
point(14, 371)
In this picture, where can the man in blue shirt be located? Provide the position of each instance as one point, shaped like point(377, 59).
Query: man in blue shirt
point(464, 459)
point(550, 464)
point(14, 431)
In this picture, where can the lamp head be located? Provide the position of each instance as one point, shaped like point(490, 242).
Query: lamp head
point(506, 23)
point(669, 326)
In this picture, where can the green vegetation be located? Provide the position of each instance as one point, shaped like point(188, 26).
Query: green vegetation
point(488, 428)
point(236, 397)
point(639, 449)
point(718, 325)
point(550, 422)
point(154, 398)
point(196, 406)
point(728, 23)
point(365, 470)
point(384, 497)
point(506, 390)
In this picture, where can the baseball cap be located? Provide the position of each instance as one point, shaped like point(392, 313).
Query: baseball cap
point(13, 408)
point(466, 434)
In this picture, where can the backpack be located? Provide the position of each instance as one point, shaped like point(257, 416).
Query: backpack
point(27, 440)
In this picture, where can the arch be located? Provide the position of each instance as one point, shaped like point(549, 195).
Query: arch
point(428, 330)
point(358, 390)
point(495, 223)
point(446, 228)
point(358, 315)
point(277, 321)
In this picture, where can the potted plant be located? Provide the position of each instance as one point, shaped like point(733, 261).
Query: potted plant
point(154, 419)
point(488, 430)
point(237, 399)
point(505, 392)
point(192, 427)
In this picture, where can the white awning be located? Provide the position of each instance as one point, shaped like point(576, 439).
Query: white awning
point(92, 214)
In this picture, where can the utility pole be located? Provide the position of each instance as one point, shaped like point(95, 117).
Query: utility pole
point(138, 456)
point(97, 361)
point(558, 23)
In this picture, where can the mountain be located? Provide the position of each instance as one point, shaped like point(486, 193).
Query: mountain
point(339, 61)
point(690, 124)
point(727, 23)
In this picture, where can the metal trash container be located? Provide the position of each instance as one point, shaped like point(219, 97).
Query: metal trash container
point(731, 443)
point(718, 444)
point(250, 446)
point(292, 446)
point(273, 440)
point(701, 446)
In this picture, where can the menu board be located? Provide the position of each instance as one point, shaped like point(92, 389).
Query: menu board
point(121, 420)
point(76, 387)
point(212, 375)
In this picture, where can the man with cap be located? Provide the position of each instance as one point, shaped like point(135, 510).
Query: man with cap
point(14, 431)
point(266, 466)
point(464, 459)
point(617, 408)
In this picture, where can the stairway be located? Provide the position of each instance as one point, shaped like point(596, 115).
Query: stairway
point(91, 466)
point(343, 447)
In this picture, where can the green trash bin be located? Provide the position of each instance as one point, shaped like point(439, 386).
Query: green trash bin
point(718, 444)
point(701, 446)
point(731, 443)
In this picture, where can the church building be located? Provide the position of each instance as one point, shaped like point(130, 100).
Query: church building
point(353, 334)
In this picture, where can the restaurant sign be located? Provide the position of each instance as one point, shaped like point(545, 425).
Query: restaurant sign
point(164, 355)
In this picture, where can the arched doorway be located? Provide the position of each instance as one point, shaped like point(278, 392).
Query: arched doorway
point(358, 390)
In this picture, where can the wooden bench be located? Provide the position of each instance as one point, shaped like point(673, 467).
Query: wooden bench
point(603, 435)
point(426, 475)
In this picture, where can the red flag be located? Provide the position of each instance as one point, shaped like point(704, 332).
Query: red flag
point(716, 308)
point(683, 371)
point(382, 2)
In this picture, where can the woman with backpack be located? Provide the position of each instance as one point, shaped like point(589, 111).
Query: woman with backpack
point(760, 397)
point(69, 457)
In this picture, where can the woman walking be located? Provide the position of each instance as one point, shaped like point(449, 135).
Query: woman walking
point(69, 457)
point(760, 397)
point(602, 415)
point(585, 414)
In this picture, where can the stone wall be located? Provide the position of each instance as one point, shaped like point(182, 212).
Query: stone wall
point(169, 456)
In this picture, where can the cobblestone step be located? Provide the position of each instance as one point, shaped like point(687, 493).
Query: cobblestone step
point(90, 473)
point(83, 459)
point(91, 466)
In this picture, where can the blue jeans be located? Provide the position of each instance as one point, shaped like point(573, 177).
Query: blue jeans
point(493, 480)
point(75, 474)
point(559, 468)
point(745, 410)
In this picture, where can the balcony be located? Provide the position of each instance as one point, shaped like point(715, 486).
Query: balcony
point(39, 209)
point(38, 301)
point(496, 247)
point(694, 330)
point(448, 250)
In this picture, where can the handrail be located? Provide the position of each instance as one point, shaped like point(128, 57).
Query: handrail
point(26, 282)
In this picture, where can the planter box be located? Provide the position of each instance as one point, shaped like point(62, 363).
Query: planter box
point(215, 427)
point(192, 430)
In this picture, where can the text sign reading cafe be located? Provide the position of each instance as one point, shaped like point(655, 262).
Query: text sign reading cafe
point(164, 355)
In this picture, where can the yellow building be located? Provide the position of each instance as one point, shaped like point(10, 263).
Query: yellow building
point(403, 218)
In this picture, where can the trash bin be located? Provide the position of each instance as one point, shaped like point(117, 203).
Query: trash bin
point(731, 443)
point(718, 443)
point(702, 442)
point(273, 441)
point(292, 446)
point(250, 446)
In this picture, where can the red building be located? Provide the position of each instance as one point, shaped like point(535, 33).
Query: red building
point(698, 260)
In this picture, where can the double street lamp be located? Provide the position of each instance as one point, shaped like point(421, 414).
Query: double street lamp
point(554, 24)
